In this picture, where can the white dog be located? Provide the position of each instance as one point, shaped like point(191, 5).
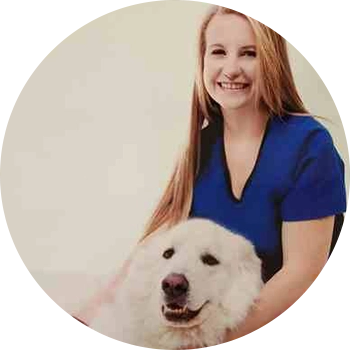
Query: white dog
point(184, 288)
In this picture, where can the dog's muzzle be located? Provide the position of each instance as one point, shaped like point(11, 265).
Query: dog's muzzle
point(176, 287)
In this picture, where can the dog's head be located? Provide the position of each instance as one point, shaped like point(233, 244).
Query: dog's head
point(195, 271)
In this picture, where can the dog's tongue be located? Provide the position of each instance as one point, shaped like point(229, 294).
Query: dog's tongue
point(177, 302)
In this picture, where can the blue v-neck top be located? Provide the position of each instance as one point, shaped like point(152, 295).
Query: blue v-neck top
point(298, 175)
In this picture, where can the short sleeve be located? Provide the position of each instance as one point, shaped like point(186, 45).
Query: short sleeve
point(319, 188)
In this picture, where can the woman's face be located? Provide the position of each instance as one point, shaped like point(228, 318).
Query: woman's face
point(230, 62)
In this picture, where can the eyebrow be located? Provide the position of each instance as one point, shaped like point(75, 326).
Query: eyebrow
point(245, 47)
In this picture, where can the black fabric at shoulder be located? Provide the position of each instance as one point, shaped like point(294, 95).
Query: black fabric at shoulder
point(209, 136)
point(340, 240)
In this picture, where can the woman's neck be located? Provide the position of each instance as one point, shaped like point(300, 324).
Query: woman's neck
point(244, 124)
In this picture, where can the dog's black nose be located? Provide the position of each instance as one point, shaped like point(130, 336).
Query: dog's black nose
point(175, 285)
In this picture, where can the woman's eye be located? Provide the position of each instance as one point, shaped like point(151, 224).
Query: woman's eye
point(168, 253)
point(221, 52)
point(218, 52)
point(249, 53)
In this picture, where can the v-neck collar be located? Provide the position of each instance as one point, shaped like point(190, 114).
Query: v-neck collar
point(226, 172)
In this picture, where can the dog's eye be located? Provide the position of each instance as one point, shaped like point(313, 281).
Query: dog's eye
point(168, 253)
point(208, 259)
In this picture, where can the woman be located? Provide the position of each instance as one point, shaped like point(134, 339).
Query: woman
point(261, 166)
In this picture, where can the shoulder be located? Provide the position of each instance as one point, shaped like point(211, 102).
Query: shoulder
point(300, 143)
point(301, 132)
point(312, 150)
point(304, 124)
point(315, 186)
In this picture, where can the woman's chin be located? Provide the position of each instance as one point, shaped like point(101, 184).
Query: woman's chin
point(236, 105)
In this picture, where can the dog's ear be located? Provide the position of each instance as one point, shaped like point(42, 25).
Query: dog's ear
point(246, 283)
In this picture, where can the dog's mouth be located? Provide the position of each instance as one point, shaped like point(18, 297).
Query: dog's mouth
point(176, 313)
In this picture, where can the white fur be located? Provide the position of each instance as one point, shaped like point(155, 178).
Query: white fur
point(231, 288)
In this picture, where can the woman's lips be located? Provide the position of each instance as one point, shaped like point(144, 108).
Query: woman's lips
point(233, 86)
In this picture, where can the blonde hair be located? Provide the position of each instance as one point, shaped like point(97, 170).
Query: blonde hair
point(277, 94)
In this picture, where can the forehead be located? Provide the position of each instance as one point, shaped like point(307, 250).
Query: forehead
point(199, 238)
point(229, 29)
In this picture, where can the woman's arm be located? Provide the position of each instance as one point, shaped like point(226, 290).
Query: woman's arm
point(278, 296)
point(305, 251)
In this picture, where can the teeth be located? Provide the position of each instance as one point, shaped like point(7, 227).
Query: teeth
point(233, 86)
point(179, 311)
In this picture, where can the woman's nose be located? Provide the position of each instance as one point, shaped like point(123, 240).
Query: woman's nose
point(232, 67)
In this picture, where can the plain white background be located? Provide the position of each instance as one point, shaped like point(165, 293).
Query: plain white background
point(94, 107)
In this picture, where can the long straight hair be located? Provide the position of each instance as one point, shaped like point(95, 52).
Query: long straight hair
point(278, 95)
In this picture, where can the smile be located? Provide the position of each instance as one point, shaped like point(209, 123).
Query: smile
point(175, 313)
point(233, 86)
